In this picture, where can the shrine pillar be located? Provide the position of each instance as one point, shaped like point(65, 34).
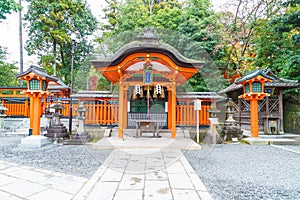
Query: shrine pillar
point(121, 109)
point(254, 117)
point(173, 112)
point(36, 117)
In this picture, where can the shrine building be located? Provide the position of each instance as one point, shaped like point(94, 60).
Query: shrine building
point(148, 72)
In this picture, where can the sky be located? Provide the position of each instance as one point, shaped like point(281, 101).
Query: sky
point(9, 32)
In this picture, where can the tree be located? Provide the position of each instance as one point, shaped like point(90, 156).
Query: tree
point(50, 25)
point(189, 26)
point(7, 7)
point(240, 30)
point(8, 71)
point(278, 44)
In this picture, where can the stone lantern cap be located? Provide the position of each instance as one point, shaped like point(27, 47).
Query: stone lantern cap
point(81, 108)
point(57, 106)
point(229, 103)
point(213, 109)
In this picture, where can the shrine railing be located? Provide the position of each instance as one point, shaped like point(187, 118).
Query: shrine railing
point(186, 115)
point(108, 113)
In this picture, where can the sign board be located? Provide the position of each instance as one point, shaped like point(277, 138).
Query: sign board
point(197, 104)
point(148, 76)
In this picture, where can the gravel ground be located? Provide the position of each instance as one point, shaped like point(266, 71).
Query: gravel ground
point(77, 160)
point(238, 171)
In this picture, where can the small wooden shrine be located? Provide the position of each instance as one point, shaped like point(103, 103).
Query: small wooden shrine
point(270, 108)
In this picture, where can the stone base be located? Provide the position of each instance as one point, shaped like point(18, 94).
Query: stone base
point(31, 142)
point(58, 131)
point(78, 139)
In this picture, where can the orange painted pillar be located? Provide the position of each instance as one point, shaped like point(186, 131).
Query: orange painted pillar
point(254, 117)
point(31, 112)
point(169, 109)
point(173, 110)
point(125, 109)
point(105, 107)
point(121, 110)
point(37, 116)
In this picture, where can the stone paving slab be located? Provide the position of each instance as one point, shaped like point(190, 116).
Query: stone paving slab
point(150, 143)
point(270, 141)
point(165, 175)
point(131, 173)
point(28, 183)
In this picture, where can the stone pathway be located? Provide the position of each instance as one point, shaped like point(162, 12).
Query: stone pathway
point(144, 174)
point(135, 174)
point(27, 183)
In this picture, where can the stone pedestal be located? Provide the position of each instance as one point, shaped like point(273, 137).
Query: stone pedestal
point(81, 136)
point(33, 141)
point(78, 139)
point(57, 131)
point(231, 130)
point(213, 129)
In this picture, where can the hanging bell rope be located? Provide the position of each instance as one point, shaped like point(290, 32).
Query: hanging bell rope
point(148, 93)
point(154, 95)
point(162, 95)
point(134, 95)
point(141, 92)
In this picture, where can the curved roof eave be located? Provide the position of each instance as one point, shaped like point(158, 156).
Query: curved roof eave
point(157, 47)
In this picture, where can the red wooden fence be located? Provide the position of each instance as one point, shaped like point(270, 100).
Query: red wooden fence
point(109, 113)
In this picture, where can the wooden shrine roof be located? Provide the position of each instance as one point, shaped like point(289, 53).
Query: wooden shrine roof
point(276, 83)
point(147, 49)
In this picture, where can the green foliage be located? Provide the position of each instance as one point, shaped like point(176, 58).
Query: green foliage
point(189, 26)
point(278, 44)
point(50, 25)
point(8, 71)
point(7, 7)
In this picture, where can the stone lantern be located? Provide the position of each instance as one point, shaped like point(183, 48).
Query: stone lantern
point(81, 117)
point(253, 85)
point(81, 136)
point(231, 128)
point(2, 115)
point(213, 122)
point(230, 110)
point(37, 88)
point(57, 131)
point(57, 113)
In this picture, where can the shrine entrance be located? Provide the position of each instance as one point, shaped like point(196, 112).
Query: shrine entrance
point(147, 73)
point(148, 102)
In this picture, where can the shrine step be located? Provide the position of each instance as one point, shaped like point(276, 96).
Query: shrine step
point(162, 133)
